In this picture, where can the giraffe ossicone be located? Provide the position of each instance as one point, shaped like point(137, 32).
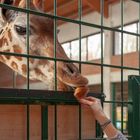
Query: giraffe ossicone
point(13, 39)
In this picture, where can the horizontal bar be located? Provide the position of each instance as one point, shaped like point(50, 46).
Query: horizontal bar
point(65, 19)
point(70, 61)
point(24, 96)
point(136, 1)
point(114, 102)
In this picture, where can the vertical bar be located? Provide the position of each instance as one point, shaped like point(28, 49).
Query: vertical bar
point(102, 53)
point(98, 128)
point(55, 120)
point(44, 108)
point(28, 121)
point(122, 99)
point(130, 107)
point(80, 36)
point(55, 70)
point(44, 114)
point(113, 104)
point(139, 37)
point(27, 42)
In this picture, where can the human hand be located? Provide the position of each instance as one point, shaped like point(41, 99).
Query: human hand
point(94, 104)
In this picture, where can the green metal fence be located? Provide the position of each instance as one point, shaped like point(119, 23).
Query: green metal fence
point(36, 97)
point(134, 109)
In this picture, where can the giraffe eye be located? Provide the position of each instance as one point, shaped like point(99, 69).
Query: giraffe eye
point(20, 30)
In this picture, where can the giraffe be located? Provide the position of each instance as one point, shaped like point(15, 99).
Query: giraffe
point(13, 39)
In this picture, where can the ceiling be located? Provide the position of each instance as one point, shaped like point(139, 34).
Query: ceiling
point(69, 8)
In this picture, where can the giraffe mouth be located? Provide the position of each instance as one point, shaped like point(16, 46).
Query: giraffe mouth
point(70, 75)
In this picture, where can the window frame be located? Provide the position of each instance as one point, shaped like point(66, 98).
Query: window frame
point(86, 36)
point(137, 40)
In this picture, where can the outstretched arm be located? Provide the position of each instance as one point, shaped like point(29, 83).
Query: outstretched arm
point(103, 120)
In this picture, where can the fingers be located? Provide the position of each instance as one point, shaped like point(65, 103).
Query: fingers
point(85, 101)
point(90, 98)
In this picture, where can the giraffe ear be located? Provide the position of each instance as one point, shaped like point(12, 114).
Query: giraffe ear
point(38, 4)
point(6, 14)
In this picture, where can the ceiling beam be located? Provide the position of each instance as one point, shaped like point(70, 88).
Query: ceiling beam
point(74, 15)
point(95, 5)
point(106, 9)
point(60, 5)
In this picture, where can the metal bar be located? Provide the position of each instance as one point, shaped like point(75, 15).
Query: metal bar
point(122, 98)
point(55, 120)
point(113, 105)
point(102, 51)
point(80, 36)
point(55, 64)
point(98, 128)
point(74, 61)
point(28, 121)
point(44, 114)
point(139, 38)
point(39, 96)
point(27, 45)
point(116, 102)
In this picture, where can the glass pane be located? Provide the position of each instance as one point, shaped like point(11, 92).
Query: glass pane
point(94, 47)
point(119, 115)
point(129, 41)
point(75, 50)
point(131, 28)
point(66, 47)
point(84, 49)
point(117, 43)
point(131, 12)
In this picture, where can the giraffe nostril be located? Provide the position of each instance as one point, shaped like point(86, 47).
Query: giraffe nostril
point(71, 68)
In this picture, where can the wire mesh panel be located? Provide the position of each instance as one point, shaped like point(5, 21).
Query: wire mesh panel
point(100, 39)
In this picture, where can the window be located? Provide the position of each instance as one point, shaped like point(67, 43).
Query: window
point(94, 47)
point(84, 49)
point(67, 49)
point(119, 117)
point(90, 48)
point(75, 50)
point(130, 42)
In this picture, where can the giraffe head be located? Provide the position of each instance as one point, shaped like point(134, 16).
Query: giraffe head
point(41, 43)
